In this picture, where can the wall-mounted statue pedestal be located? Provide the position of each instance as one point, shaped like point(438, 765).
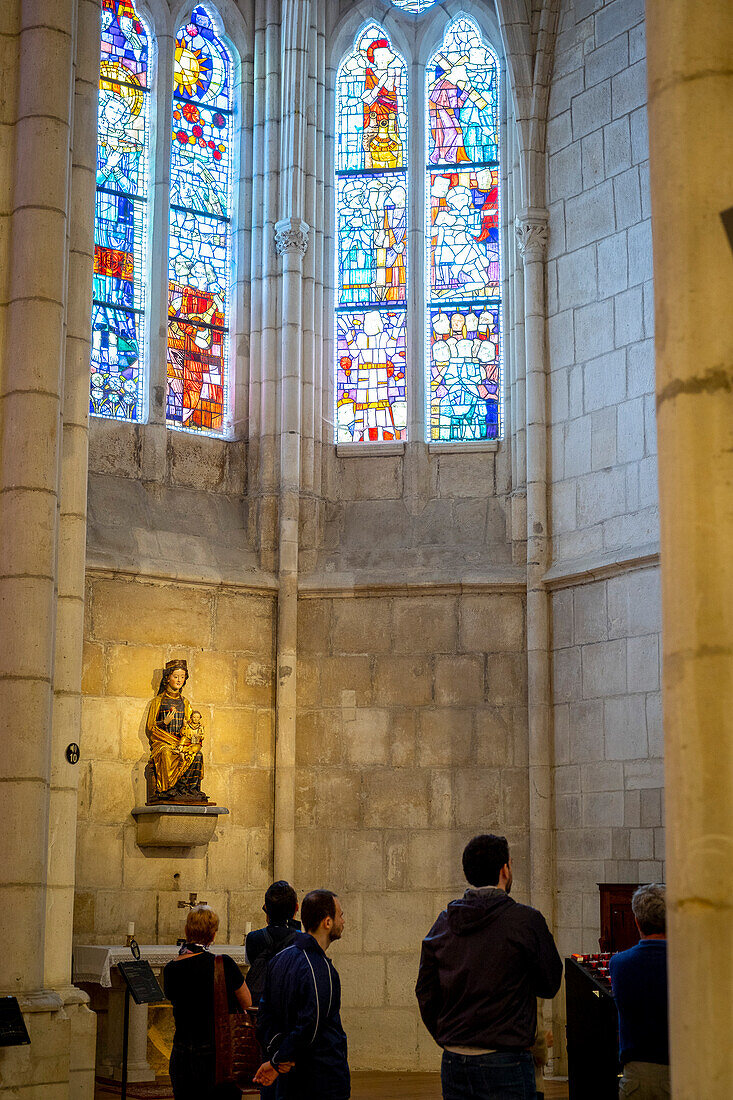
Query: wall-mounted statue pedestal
point(163, 826)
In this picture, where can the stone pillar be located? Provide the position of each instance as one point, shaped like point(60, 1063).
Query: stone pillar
point(531, 230)
point(291, 238)
point(292, 241)
point(72, 506)
point(264, 353)
point(40, 324)
point(689, 50)
point(30, 420)
point(138, 1068)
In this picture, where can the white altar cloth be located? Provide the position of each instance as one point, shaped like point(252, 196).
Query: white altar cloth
point(93, 962)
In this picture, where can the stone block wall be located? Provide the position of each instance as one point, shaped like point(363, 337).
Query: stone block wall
point(412, 737)
point(132, 628)
point(609, 801)
point(599, 280)
point(604, 512)
point(438, 515)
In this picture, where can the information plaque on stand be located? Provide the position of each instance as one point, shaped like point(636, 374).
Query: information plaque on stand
point(13, 1032)
point(141, 982)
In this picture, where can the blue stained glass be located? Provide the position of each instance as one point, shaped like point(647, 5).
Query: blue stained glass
point(371, 396)
point(464, 358)
point(465, 372)
point(372, 238)
point(371, 213)
point(121, 210)
point(371, 113)
point(415, 6)
point(464, 216)
point(200, 239)
point(463, 99)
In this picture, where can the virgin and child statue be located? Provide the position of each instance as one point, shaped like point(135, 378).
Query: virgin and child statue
point(175, 733)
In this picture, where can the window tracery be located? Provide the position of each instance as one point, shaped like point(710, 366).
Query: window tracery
point(371, 178)
point(121, 215)
point(460, 266)
point(199, 233)
point(464, 312)
point(414, 6)
point(200, 238)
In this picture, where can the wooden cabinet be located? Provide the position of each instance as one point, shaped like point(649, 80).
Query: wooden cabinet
point(618, 930)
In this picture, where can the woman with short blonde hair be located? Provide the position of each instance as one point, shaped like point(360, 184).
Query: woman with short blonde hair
point(188, 982)
point(202, 924)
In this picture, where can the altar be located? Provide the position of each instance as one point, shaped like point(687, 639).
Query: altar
point(95, 970)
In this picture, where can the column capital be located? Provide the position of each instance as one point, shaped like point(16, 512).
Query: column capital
point(531, 230)
point(291, 235)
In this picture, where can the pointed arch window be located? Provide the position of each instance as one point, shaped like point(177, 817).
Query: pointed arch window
point(371, 242)
point(119, 317)
point(200, 273)
point(464, 356)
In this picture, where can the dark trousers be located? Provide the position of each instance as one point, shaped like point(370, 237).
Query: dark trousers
point(193, 1074)
point(488, 1076)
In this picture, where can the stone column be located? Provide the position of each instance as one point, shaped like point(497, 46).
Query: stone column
point(72, 506)
point(262, 449)
point(291, 236)
point(531, 230)
point(33, 347)
point(138, 1068)
point(689, 49)
point(292, 241)
point(35, 341)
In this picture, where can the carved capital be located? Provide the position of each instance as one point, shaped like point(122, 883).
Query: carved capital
point(291, 235)
point(531, 231)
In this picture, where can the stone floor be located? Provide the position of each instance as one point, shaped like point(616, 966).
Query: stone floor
point(364, 1086)
point(419, 1086)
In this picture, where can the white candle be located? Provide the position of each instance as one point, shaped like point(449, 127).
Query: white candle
point(131, 928)
point(248, 928)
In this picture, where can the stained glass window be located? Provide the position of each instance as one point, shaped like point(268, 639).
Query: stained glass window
point(371, 212)
point(200, 240)
point(464, 311)
point(121, 215)
point(415, 6)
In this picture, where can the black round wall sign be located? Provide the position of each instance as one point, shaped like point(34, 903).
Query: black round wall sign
point(73, 752)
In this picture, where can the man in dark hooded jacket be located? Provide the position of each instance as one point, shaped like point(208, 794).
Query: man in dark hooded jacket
point(483, 965)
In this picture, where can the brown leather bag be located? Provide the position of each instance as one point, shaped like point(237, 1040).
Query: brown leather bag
point(238, 1054)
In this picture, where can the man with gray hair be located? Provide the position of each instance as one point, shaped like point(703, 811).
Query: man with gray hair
point(639, 981)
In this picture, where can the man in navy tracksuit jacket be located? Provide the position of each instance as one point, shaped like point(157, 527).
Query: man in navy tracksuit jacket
point(299, 1023)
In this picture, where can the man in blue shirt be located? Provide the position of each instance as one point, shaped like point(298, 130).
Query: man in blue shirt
point(639, 981)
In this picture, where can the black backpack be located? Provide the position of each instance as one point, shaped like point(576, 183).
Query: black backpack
point(255, 978)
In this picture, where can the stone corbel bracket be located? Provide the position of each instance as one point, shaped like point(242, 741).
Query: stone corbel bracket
point(163, 826)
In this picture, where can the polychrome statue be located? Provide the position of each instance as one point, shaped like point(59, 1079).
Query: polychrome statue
point(175, 733)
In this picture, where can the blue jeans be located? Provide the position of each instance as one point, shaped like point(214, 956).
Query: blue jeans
point(488, 1076)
